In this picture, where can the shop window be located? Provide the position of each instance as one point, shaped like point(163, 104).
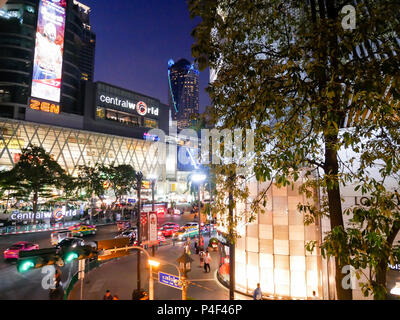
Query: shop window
point(112, 115)
point(150, 123)
point(100, 113)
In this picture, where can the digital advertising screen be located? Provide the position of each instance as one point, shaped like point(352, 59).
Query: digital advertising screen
point(47, 68)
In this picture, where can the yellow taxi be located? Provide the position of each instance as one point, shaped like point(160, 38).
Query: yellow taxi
point(83, 230)
point(186, 232)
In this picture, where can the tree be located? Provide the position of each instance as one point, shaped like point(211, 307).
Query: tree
point(290, 71)
point(121, 178)
point(35, 176)
point(92, 180)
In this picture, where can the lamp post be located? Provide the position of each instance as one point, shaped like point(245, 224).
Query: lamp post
point(185, 265)
point(153, 179)
point(152, 263)
point(139, 180)
point(198, 178)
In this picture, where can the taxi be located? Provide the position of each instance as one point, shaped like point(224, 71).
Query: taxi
point(83, 230)
point(186, 232)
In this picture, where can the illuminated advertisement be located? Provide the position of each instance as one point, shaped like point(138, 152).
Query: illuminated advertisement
point(44, 106)
point(47, 68)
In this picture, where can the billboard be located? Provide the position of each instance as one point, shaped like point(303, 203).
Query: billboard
point(49, 47)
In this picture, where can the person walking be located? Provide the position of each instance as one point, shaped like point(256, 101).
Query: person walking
point(196, 245)
point(207, 260)
point(257, 295)
point(187, 249)
point(108, 295)
point(201, 244)
point(57, 277)
point(201, 255)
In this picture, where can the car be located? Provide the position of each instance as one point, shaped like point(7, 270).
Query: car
point(57, 236)
point(171, 224)
point(13, 251)
point(191, 224)
point(167, 231)
point(123, 225)
point(186, 232)
point(130, 233)
point(72, 242)
point(174, 211)
point(83, 230)
point(161, 240)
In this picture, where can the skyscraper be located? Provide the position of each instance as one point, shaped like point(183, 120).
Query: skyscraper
point(183, 91)
point(46, 49)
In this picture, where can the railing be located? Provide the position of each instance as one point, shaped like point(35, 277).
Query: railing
point(88, 267)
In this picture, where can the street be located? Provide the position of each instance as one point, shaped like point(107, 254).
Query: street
point(27, 286)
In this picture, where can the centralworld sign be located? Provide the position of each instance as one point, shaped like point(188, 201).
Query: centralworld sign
point(140, 107)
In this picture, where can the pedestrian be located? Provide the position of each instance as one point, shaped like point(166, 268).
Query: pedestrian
point(207, 260)
point(257, 295)
point(196, 245)
point(314, 296)
point(187, 249)
point(108, 295)
point(57, 277)
point(201, 255)
point(201, 243)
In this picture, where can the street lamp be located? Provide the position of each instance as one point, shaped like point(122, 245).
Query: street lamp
point(198, 178)
point(185, 265)
point(153, 179)
point(155, 264)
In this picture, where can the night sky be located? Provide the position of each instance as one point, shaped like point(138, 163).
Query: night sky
point(135, 40)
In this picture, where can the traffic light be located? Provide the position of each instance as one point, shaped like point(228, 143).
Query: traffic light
point(78, 253)
point(37, 259)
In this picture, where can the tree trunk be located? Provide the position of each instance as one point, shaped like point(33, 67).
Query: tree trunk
point(382, 267)
point(335, 207)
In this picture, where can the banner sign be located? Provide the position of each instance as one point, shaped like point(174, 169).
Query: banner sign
point(153, 232)
point(49, 48)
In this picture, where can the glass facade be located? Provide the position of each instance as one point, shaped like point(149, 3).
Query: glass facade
point(17, 40)
point(271, 250)
point(72, 148)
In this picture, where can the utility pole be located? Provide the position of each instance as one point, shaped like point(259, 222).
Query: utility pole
point(231, 245)
point(199, 212)
point(209, 206)
point(153, 247)
point(139, 178)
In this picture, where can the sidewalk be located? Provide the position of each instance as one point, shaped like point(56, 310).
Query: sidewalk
point(119, 276)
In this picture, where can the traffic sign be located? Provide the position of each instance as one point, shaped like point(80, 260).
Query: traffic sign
point(170, 280)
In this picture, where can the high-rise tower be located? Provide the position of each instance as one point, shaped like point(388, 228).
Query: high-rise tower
point(183, 93)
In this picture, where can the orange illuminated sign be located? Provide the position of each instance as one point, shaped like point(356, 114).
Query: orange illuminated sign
point(44, 106)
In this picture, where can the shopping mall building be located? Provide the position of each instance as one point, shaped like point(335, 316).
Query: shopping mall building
point(48, 97)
